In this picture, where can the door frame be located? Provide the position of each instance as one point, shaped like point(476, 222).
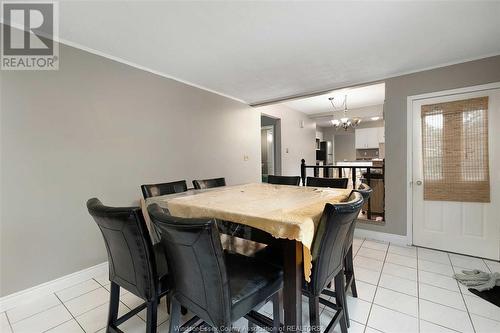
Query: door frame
point(409, 143)
point(273, 128)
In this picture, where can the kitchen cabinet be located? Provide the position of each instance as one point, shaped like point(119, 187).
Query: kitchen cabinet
point(381, 134)
point(367, 138)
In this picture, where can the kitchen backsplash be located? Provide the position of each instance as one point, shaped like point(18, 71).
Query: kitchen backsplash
point(366, 154)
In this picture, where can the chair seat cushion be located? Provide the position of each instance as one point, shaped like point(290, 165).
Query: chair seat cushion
point(251, 283)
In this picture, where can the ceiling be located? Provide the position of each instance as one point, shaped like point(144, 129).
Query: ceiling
point(357, 97)
point(262, 51)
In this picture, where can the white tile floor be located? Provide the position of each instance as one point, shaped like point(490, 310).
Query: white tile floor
point(400, 289)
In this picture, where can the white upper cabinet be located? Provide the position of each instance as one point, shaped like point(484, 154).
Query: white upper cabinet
point(367, 138)
point(381, 134)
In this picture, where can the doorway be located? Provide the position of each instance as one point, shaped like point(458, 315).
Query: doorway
point(455, 194)
point(270, 147)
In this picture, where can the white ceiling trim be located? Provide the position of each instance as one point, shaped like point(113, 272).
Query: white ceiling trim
point(366, 82)
point(59, 40)
point(144, 68)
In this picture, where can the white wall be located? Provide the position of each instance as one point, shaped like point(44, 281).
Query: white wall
point(296, 142)
point(101, 128)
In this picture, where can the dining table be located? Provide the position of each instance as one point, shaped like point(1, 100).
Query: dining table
point(290, 214)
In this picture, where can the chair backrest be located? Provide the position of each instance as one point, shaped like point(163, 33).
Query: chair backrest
point(329, 241)
point(130, 251)
point(154, 190)
point(366, 192)
point(327, 182)
point(284, 180)
point(201, 184)
point(196, 261)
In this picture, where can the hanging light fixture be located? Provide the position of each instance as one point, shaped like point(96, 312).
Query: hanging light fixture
point(345, 122)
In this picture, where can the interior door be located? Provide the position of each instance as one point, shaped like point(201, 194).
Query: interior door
point(469, 228)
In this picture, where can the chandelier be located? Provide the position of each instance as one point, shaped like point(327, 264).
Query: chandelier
point(345, 122)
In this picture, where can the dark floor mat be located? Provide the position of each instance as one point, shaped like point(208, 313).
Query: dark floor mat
point(492, 295)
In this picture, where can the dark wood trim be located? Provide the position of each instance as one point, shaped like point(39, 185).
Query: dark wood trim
point(292, 287)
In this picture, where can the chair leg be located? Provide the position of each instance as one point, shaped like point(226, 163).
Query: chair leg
point(350, 271)
point(152, 312)
point(169, 296)
point(277, 311)
point(314, 314)
point(114, 302)
point(340, 299)
point(175, 316)
point(252, 328)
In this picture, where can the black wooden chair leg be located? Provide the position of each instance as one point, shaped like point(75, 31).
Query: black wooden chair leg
point(276, 313)
point(350, 272)
point(340, 299)
point(314, 314)
point(354, 290)
point(346, 311)
point(252, 328)
point(114, 303)
point(169, 296)
point(152, 312)
point(175, 316)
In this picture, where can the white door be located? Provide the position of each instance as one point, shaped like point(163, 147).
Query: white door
point(464, 227)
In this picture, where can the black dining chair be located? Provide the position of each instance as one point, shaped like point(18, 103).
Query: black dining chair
point(135, 264)
point(327, 253)
point(327, 182)
point(154, 190)
point(201, 184)
point(284, 180)
point(219, 287)
point(350, 279)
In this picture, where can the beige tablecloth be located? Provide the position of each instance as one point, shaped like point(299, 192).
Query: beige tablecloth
point(290, 212)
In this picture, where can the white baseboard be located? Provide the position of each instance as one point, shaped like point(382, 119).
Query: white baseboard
point(44, 289)
point(382, 236)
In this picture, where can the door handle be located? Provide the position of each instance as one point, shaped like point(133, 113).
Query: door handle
point(419, 182)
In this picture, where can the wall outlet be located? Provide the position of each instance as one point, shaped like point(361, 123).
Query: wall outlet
point(245, 158)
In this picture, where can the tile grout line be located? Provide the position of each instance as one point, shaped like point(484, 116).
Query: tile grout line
point(440, 325)
point(99, 283)
point(85, 293)
point(488, 267)
point(31, 315)
point(397, 291)
point(378, 282)
point(431, 285)
point(8, 321)
point(463, 298)
point(71, 314)
point(51, 307)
